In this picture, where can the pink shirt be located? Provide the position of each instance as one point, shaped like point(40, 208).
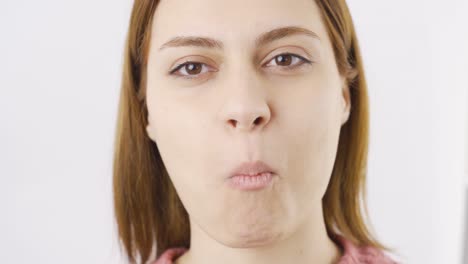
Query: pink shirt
point(351, 254)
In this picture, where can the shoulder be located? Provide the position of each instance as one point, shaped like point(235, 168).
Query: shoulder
point(353, 254)
point(168, 256)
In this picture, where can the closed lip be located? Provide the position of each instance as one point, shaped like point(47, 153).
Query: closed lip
point(251, 169)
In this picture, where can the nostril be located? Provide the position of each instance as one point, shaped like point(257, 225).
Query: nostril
point(233, 122)
point(258, 120)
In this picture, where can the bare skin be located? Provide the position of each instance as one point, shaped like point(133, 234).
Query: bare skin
point(247, 103)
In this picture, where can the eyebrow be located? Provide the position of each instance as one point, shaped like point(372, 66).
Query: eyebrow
point(263, 39)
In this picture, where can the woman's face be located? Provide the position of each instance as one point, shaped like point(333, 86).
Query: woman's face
point(242, 101)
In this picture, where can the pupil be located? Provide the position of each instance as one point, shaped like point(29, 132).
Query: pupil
point(283, 60)
point(193, 68)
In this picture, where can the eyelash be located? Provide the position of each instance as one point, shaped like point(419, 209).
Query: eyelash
point(180, 66)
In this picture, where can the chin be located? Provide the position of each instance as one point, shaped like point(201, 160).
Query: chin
point(252, 238)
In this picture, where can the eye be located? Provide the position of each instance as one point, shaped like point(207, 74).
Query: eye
point(189, 69)
point(192, 69)
point(289, 60)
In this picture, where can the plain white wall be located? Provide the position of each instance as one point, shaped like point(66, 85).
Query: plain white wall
point(60, 72)
point(59, 79)
point(416, 56)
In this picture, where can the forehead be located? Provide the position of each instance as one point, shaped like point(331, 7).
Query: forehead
point(233, 22)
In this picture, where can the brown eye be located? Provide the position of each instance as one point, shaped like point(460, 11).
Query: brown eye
point(193, 68)
point(289, 61)
point(283, 60)
point(189, 69)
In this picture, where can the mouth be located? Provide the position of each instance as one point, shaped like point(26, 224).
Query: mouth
point(251, 182)
point(251, 176)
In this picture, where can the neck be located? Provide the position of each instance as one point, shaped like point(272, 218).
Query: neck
point(310, 243)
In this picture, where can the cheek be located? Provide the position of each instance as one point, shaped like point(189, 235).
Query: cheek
point(173, 119)
point(312, 127)
point(174, 131)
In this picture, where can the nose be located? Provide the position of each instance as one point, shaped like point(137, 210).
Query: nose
point(246, 105)
point(247, 120)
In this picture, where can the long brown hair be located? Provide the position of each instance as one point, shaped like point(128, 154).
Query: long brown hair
point(148, 211)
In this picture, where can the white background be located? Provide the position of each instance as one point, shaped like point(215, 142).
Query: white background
point(60, 66)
